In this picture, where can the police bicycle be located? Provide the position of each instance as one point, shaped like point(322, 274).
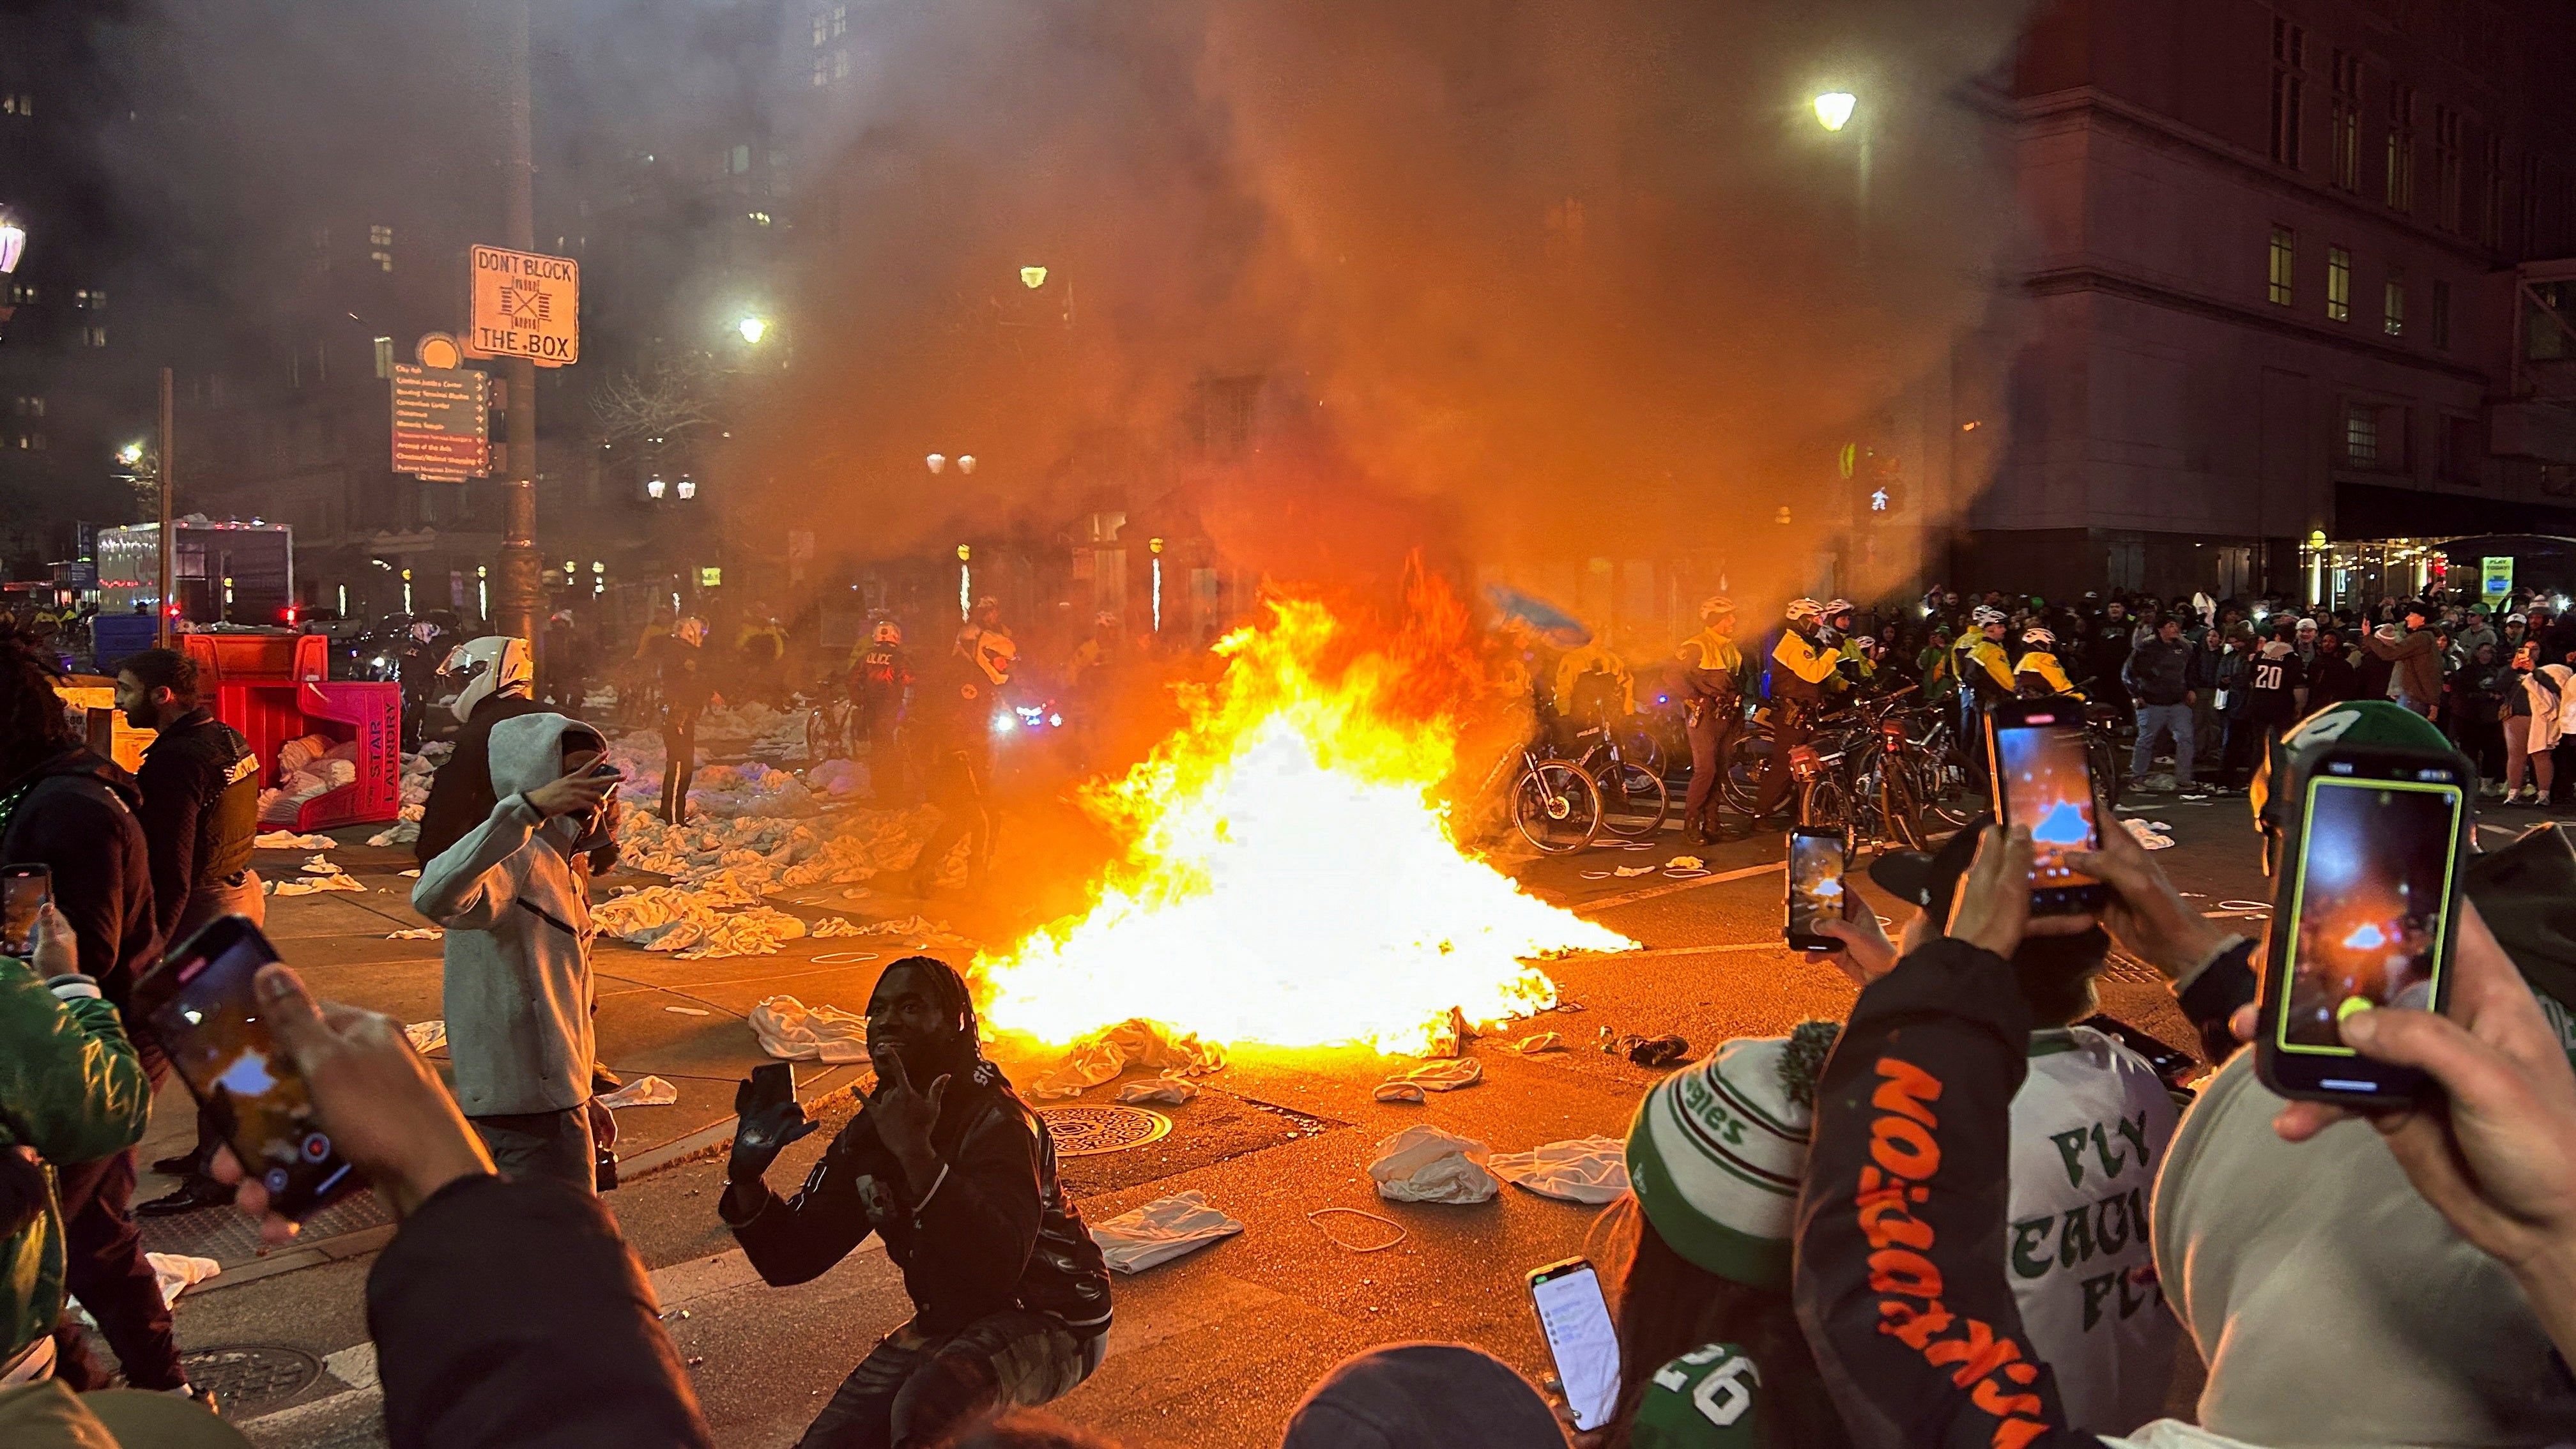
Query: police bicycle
point(1554, 805)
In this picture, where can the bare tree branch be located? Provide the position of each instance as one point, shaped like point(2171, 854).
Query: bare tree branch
point(660, 404)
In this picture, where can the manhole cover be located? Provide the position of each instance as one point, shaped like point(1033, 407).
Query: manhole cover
point(251, 1374)
point(1085, 1131)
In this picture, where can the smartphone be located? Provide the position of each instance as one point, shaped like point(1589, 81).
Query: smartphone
point(24, 889)
point(771, 1083)
point(605, 769)
point(1576, 1321)
point(2043, 779)
point(2366, 917)
point(211, 1025)
point(1815, 886)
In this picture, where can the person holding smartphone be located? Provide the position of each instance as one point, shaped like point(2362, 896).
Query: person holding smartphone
point(514, 895)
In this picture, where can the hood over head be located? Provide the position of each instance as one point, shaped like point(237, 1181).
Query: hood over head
point(1422, 1396)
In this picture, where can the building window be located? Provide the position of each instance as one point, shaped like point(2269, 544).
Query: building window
point(2289, 85)
point(2338, 285)
point(2442, 315)
point(2446, 168)
point(822, 70)
point(2491, 197)
point(22, 294)
point(2361, 435)
point(92, 298)
point(2392, 305)
point(2284, 253)
point(384, 357)
point(93, 337)
point(28, 407)
point(840, 20)
point(2401, 147)
point(2345, 120)
point(841, 63)
point(380, 240)
point(17, 103)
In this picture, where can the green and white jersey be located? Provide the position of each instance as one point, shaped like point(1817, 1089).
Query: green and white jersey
point(1701, 1400)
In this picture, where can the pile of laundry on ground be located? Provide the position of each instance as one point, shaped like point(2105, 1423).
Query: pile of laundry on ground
point(753, 728)
point(308, 766)
point(417, 771)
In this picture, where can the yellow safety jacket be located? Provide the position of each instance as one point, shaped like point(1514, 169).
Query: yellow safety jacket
point(1593, 659)
point(1806, 667)
point(1987, 655)
point(2050, 676)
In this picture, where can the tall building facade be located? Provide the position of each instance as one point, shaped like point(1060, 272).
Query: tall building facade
point(2294, 292)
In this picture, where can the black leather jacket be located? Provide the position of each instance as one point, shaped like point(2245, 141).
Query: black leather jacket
point(996, 1231)
point(200, 811)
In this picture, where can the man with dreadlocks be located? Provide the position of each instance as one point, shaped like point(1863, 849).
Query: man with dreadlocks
point(1010, 1294)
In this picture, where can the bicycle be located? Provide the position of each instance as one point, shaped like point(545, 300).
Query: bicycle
point(831, 724)
point(1554, 805)
point(1627, 789)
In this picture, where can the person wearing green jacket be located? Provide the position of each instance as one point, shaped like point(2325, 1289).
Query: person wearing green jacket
point(71, 1090)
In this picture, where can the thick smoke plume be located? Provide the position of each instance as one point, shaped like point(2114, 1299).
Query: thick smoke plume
point(1518, 280)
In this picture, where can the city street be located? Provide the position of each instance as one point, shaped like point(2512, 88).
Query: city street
point(1213, 1348)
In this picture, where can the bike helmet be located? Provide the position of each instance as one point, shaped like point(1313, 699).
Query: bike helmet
point(1104, 620)
point(1805, 610)
point(2280, 778)
point(1985, 614)
point(1836, 608)
point(2038, 638)
point(1715, 606)
point(887, 632)
point(691, 631)
point(481, 668)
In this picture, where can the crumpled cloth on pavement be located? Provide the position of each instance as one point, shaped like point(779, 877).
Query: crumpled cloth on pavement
point(1161, 1230)
point(416, 933)
point(790, 1029)
point(1425, 1164)
point(311, 884)
point(642, 1092)
point(401, 832)
point(2144, 832)
point(1546, 1041)
point(426, 1036)
point(696, 922)
point(316, 865)
point(1439, 1076)
point(1101, 1056)
point(289, 840)
point(178, 1272)
point(1580, 1169)
point(1169, 1090)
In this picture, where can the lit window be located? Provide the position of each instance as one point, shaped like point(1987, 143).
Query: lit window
point(92, 298)
point(822, 26)
point(2289, 88)
point(840, 63)
point(2361, 435)
point(2284, 253)
point(39, 441)
point(840, 20)
point(384, 357)
point(822, 70)
point(2338, 285)
point(740, 160)
point(22, 294)
point(2344, 123)
point(93, 337)
point(380, 236)
point(17, 103)
point(2392, 305)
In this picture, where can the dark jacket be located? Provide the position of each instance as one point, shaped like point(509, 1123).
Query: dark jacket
point(200, 811)
point(2332, 679)
point(2158, 673)
point(76, 813)
point(995, 1232)
point(460, 794)
point(512, 1314)
point(952, 709)
point(1900, 1280)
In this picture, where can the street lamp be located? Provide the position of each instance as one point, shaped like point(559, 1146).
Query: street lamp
point(752, 329)
point(1834, 109)
point(13, 244)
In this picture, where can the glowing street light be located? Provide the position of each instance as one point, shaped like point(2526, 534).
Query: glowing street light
point(13, 244)
point(1834, 109)
point(965, 462)
point(752, 329)
point(938, 462)
point(130, 454)
point(1033, 277)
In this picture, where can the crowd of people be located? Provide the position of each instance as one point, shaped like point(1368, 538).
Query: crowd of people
point(1958, 1216)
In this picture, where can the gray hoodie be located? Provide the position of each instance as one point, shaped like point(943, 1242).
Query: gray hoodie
point(517, 913)
point(2333, 1305)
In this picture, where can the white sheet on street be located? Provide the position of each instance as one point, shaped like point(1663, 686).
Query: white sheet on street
point(1580, 1169)
point(1161, 1230)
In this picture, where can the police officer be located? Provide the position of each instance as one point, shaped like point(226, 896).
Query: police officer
point(953, 714)
point(1857, 667)
point(1712, 711)
point(880, 681)
point(1802, 664)
point(200, 813)
point(2038, 674)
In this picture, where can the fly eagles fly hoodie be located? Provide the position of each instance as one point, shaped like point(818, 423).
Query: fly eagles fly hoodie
point(517, 912)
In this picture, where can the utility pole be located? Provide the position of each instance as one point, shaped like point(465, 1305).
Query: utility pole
point(521, 590)
point(169, 557)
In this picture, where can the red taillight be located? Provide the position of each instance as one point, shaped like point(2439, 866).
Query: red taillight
point(1804, 763)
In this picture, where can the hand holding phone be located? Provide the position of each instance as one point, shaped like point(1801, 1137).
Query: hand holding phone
point(2043, 780)
point(1575, 1318)
point(2366, 915)
point(24, 891)
point(1816, 887)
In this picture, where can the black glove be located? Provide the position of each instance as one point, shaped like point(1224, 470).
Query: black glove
point(763, 1131)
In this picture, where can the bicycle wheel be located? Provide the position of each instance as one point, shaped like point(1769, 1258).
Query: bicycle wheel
point(1823, 805)
point(1557, 809)
point(1743, 778)
point(1634, 800)
point(2105, 759)
point(1899, 816)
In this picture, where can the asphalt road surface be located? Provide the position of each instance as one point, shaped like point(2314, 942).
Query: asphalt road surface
point(1212, 1349)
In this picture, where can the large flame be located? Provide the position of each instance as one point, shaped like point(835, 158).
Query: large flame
point(1291, 876)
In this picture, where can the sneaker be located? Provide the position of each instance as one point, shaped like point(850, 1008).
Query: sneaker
point(197, 1192)
point(183, 1165)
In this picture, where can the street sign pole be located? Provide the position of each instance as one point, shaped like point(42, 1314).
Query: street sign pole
point(521, 591)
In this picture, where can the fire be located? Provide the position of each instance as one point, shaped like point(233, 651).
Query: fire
point(1291, 876)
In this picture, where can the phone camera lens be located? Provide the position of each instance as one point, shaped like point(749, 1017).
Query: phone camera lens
point(316, 1147)
point(275, 1180)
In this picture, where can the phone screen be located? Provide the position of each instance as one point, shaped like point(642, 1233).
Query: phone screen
point(2370, 908)
point(23, 892)
point(2048, 786)
point(1815, 883)
point(1576, 1319)
point(223, 1051)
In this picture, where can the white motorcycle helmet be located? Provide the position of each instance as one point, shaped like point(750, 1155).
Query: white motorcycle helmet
point(481, 668)
point(888, 632)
